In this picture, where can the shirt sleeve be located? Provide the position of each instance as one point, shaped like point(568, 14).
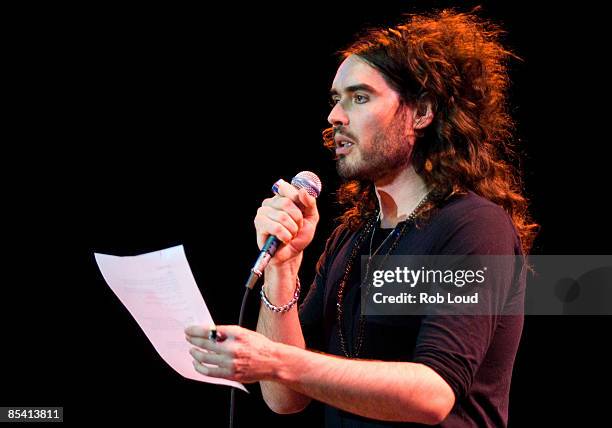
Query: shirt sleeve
point(454, 346)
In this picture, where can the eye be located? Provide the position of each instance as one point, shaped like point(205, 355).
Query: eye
point(334, 100)
point(360, 99)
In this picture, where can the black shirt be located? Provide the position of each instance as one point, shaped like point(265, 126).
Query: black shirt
point(474, 354)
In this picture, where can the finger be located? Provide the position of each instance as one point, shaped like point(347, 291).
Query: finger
point(261, 239)
point(198, 330)
point(223, 331)
point(287, 190)
point(309, 204)
point(235, 331)
point(269, 201)
point(212, 371)
point(204, 331)
point(209, 345)
point(281, 217)
point(266, 227)
point(200, 342)
point(282, 203)
point(209, 357)
point(198, 335)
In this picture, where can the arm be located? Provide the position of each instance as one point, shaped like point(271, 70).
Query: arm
point(283, 328)
point(292, 216)
point(391, 391)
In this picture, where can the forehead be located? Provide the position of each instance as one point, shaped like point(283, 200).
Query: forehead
point(355, 71)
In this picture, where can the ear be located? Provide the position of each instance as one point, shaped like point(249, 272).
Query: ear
point(422, 115)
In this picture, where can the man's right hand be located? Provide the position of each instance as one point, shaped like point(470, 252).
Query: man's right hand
point(292, 217)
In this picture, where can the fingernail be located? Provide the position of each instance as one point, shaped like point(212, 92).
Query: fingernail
point(275, 186)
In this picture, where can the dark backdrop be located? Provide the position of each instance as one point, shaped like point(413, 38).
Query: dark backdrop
point(145, 128)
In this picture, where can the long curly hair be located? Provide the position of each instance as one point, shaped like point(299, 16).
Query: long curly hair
point(455, 62)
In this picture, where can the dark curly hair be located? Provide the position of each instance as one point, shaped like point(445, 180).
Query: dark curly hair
point(455, 62)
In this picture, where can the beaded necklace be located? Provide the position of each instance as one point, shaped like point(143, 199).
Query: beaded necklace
point(398, 231)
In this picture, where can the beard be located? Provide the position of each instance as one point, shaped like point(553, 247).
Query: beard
point(388, 152)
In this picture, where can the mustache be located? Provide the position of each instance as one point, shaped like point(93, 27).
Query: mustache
point(340, 130)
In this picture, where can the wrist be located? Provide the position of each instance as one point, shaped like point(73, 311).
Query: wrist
point(287, 306)
point(287, 269)
point(283, 371)
point(280, 281)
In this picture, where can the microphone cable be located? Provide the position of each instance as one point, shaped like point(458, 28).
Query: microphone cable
point(249, 285)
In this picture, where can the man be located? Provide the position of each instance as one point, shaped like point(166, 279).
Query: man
point(418, 123)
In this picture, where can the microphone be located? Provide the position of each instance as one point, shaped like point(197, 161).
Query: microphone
point(304, 180)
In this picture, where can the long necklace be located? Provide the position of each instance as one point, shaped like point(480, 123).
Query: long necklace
point(369, 227)
point(372, 254)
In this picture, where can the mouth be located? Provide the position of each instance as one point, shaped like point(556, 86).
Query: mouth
point(343, 146)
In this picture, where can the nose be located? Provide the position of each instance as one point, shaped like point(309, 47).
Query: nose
point(337, 116)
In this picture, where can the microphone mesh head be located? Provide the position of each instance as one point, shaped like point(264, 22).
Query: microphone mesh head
point(309, 181)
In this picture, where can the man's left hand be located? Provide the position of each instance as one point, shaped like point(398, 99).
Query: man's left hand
point(237, 353)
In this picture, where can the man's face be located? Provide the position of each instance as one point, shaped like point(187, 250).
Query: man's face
point(372, 127)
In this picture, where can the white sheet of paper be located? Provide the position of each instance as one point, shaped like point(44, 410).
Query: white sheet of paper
point(160, 292)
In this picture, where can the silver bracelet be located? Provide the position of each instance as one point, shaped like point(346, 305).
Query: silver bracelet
point(283, 308)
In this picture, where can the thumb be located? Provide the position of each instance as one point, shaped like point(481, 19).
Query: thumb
point(309, 203)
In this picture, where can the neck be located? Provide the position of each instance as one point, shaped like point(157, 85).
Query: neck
point(398, 195)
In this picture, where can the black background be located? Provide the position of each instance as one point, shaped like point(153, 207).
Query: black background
point(134, 130)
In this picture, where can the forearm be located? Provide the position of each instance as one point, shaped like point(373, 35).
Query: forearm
point(279, 287)
point(391, 391)
point(283, 328)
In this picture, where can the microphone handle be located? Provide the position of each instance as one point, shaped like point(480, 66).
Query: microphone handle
point(267, 252)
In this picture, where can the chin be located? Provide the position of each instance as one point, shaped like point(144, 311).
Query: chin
point(351, 172)
point(346, 171)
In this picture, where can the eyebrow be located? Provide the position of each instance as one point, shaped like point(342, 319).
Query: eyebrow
point(355, 88)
